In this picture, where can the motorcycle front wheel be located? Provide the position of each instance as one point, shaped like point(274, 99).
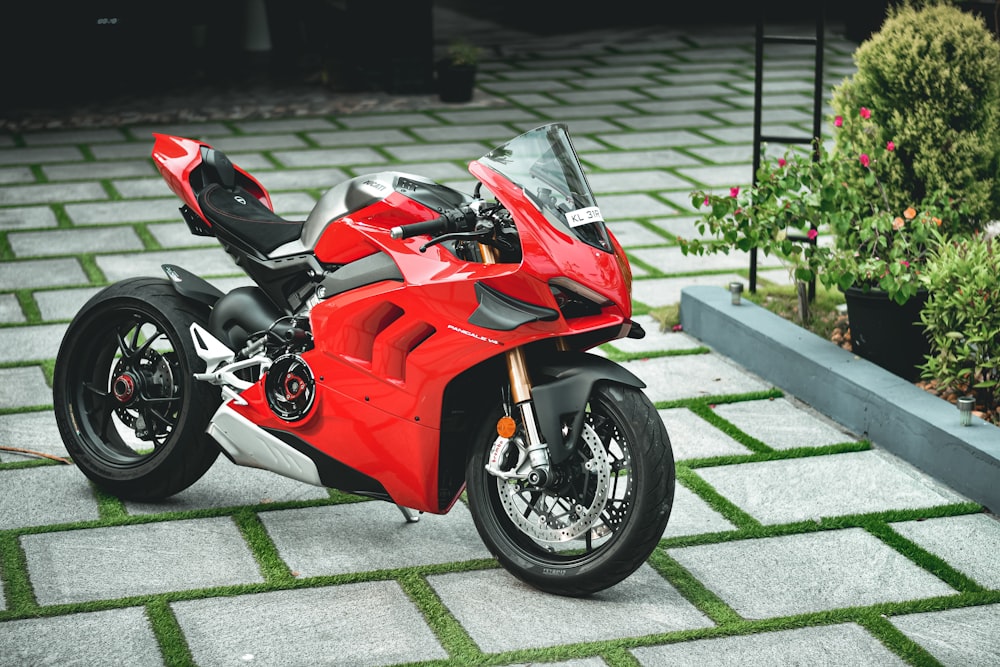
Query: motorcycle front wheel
point(128, 409)
point(603, 515)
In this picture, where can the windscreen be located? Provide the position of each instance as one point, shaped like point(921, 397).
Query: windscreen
point(543, 162)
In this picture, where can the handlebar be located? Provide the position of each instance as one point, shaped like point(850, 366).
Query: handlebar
point(418, 228)
point(457, 220)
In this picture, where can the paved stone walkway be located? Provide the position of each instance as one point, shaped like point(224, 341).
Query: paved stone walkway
point(792, 541)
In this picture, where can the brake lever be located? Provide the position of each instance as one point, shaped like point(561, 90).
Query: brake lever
point(456, 235)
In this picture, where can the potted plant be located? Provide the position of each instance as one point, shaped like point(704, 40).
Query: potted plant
point(827, 216)
point(456, 71)
point(962, 320)
point(906, 163)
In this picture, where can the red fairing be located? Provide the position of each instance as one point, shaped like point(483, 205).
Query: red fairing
point(176, 157)
point(550, 253)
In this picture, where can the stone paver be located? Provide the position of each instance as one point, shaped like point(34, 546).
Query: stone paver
point(643, 604)
point(658, 292)
point(44, 496)
point(782, 576)
point(124, 561)
point(42, 273)
point(25, 217)
point(116, 636)
point(34, 431)
point(785, 491)
point(655, 340)
point(229, 485)
point(10, 309)
point(366, 624)
point(208, 261)
point(693, 376)
point(369, 536)
point(956, 637)
point(31, 343)
point(692, 516)
point(825, 646)
point(781, 425)
point(23, 387)
point(694, 438)
point(73, 241)
point(63, 304)
point(968, 543)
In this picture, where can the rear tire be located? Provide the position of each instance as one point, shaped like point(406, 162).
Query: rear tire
point(605, 515)
point(128, 408)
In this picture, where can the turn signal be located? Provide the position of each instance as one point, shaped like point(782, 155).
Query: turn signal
point(506, 427)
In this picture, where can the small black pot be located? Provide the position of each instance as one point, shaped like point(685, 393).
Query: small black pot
point(455, 83)
point(886, 333)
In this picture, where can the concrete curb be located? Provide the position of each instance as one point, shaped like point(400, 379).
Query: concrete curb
point(918, 427)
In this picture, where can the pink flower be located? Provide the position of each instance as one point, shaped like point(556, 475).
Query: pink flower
point(890, 147)
point(864, 160)
point(812, 234)
point(904, 263)
point(781, 162)
point(838, 121)
point(734, 192)
point(678, 327)
point(705, 203)
point(866, 113)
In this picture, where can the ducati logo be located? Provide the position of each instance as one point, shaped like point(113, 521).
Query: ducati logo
point(240, 200)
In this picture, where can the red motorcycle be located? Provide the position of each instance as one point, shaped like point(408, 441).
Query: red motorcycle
point(405, 342)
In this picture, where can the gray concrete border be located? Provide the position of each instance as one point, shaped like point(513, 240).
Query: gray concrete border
point(894, 414)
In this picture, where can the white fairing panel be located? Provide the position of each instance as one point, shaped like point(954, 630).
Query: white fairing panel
point(249, 445)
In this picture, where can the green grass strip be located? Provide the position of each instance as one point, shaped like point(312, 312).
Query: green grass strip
point(715, 500)
point(31, 463)
point(149, 241)
point(720, 399)
point(925, 559)
point(32, 313)
point(274, 569)
point(14, 573)
point(169, 635)
point(617, 355)
point(94, 274)
point(110, 508)
point(692, 589)
point(897, 642)
point(453, 637)
point(6, 252)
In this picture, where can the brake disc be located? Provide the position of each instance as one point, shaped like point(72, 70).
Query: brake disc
point(548, 517)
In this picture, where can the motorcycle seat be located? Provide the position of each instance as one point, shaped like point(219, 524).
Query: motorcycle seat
point(241, 215)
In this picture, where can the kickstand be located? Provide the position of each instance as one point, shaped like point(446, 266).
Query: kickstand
point(409, 515)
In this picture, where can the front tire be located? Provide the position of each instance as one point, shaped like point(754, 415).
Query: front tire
point(604, 515)
point(128, 408)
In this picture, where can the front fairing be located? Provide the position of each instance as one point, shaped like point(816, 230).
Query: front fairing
point(538, 177)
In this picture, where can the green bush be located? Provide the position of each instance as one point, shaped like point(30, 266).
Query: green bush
point(931, 80)
point(962, 319)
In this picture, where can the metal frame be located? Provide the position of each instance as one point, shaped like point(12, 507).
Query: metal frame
point(758, 138)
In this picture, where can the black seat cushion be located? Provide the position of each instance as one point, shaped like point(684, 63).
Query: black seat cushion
point(241, 215)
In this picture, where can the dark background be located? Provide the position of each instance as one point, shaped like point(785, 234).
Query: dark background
point(65, 53)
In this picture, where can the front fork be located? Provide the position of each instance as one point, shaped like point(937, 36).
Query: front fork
point(538, 459)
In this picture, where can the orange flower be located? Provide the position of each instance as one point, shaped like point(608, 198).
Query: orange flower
point(898, 223)
point(910, 213)
point(937, 220)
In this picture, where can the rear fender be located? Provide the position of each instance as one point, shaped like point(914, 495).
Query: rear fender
point(573, 375)
point(190, 286)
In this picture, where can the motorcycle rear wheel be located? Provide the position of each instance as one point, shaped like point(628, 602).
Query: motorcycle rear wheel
point(129, 411)
point(602, 518)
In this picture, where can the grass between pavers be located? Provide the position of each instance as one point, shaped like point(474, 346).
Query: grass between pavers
point(453, 637)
